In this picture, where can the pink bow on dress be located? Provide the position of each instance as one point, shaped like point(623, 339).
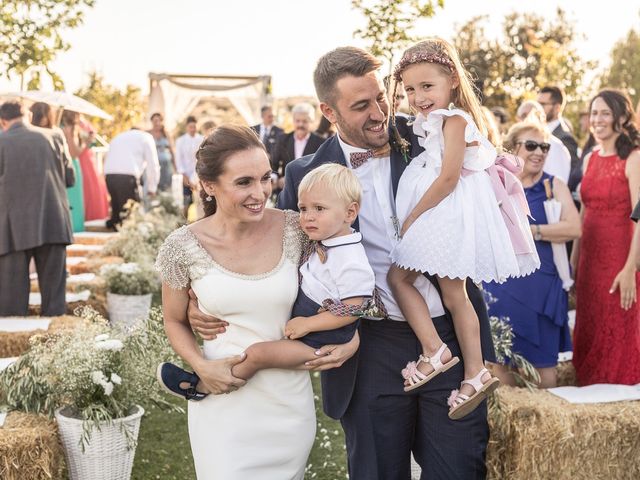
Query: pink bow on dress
point(506, 187)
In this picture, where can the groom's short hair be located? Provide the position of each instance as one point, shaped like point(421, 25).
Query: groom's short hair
point(337, 64)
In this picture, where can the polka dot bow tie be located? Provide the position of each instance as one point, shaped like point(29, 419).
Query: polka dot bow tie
point(358, 159)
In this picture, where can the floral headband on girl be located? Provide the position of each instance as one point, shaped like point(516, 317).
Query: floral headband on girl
point(419, 57)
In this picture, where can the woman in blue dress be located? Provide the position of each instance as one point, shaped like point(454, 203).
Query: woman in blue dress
point(537, 305)
point(165, 152)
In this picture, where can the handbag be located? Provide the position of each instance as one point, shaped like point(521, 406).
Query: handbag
point(69, 176)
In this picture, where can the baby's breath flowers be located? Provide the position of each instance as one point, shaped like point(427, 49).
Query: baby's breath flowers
point(97, 372)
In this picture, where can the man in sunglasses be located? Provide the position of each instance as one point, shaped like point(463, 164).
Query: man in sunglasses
point(558, 162)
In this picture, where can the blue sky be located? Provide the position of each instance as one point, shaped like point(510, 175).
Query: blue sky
point(125, 40)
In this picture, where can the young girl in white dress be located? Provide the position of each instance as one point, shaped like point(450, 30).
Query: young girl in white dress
point(452, 224)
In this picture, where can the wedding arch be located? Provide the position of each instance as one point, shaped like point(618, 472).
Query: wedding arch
point(176, 95)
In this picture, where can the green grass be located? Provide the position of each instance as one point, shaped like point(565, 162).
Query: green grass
point(164, 453)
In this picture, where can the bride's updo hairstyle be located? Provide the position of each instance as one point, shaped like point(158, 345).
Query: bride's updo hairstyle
point(222, 143)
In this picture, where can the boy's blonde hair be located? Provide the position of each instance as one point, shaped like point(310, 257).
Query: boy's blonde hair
point(338, 178)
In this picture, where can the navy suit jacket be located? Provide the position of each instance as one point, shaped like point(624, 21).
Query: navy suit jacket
point(338, 383)
point(274, 134)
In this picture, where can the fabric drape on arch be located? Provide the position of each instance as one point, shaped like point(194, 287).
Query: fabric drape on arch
point(175, 96)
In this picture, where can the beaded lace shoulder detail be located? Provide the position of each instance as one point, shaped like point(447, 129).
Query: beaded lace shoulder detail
point(181, 259)
point(295, 240)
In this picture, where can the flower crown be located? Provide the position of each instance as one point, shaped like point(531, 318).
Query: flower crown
point(419, 57)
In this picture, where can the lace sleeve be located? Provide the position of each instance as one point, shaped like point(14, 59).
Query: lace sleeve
point(295, 239)
point(173, 261)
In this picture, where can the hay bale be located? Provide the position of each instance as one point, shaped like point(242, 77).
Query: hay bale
point(93, 238)
point(92, 265)
point(14, 344)
point(538, 435)
point(29, 448)
point(80, 250)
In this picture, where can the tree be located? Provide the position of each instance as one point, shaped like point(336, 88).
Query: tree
point(30, 35)
point(624, 72)
point(389, 23)
point(127, 106)
point(530, 53)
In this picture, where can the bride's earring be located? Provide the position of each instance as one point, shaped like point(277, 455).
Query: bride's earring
point(208, 198)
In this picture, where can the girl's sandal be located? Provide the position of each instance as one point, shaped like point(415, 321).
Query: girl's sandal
point(461, 404)
point(416, 378)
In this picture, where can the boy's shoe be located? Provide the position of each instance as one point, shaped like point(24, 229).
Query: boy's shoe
point(171, 376)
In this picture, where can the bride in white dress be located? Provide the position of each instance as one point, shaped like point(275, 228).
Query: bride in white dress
point(241, 260)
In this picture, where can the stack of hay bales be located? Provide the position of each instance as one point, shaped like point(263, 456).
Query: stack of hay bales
point(536, 435)
point(29, 448)
point(13, 344)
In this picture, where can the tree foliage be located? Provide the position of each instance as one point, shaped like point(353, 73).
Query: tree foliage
point(530, 53)
point(389, 23)
point(30, 35)
point(624, 71)
point(127, 106)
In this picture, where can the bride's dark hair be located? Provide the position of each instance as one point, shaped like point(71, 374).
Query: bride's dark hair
point(214, 151)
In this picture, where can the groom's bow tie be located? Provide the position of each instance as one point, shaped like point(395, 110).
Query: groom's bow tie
point(358, 159)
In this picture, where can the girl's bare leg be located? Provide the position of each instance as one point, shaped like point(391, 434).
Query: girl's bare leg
point(416, 312)
point(467, 327)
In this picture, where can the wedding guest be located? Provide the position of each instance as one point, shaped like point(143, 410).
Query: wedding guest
point(558, 162)
point(34, 219)
point(131, 154)
point(607, 332)
point(164, 151)
point(186, 148)
point(94, 188)
point(536, 306)
point(553, 101)
point(298, 143)
point(268, 131)
point(69, 123)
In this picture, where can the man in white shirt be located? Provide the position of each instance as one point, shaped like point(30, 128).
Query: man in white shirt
point(558, 162)
point(131, 154)
point(186, 147)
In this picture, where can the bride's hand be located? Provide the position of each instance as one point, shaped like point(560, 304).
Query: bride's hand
point(333, 356)
point(216, 374)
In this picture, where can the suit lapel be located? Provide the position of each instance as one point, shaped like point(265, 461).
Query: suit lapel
point(291, 151)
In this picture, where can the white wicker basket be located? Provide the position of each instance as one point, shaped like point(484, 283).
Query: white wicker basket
point(126, 310)
point(107, 457)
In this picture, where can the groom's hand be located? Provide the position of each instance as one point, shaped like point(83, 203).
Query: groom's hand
point(207, 326)
point(334, 356)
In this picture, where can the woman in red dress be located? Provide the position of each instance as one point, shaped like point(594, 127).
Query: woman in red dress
point(94, 188)
point(607, 333)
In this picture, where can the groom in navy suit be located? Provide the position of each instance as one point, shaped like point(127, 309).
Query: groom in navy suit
point(383, 425)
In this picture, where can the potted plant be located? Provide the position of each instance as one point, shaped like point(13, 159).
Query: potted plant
point(130, 287)
point(95, 379)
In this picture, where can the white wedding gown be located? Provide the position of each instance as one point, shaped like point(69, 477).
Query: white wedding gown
point(264, 430)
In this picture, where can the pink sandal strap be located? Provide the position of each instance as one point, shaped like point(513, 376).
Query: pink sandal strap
point(476, 382)
point(435, 360)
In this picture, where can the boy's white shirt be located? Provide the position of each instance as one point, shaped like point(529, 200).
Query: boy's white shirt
point(346, 272)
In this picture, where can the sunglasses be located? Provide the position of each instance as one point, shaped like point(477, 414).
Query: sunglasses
point(530, 146)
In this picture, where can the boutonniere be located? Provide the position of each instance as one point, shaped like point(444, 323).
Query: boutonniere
point(399, 144)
